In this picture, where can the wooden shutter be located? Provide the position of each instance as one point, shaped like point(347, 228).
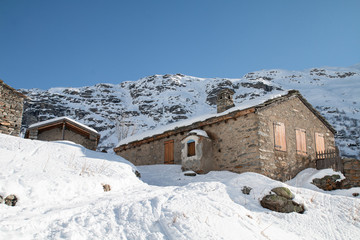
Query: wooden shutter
point(300, 141)
point(169, 152)
point(191, 149)
point(319, 142)
point(279, 135)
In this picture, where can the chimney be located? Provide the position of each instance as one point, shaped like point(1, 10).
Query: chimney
point(224, 100)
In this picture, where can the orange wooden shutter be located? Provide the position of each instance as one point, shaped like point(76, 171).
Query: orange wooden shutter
point(279, 135)
point(319, 142)
point(169, 152)
point(191, 149)
point(301, 141)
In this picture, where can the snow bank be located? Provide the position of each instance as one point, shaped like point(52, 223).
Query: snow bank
point(61, 197)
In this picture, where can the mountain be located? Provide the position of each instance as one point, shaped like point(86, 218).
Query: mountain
point(162, 99)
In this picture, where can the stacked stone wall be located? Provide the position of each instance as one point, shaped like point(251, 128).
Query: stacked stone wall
point(55, 134)
point(352, 172)
point(235, 144)
point(11, 110)
point(284, 165)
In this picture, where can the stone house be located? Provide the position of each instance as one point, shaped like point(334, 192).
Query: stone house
point(277, 137)
point(64, 128)
point(11, 110)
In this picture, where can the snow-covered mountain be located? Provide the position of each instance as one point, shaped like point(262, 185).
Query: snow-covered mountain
point(162, 99)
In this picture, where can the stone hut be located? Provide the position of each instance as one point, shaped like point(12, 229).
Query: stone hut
point(11, 110)
point(64, 128)
point(277, 137)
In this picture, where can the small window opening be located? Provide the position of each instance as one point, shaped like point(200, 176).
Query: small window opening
point(191, 148)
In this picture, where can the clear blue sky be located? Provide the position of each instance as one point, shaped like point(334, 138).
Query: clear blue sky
point(74, 43)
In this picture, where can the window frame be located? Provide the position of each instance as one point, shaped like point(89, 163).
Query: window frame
point(191, 147)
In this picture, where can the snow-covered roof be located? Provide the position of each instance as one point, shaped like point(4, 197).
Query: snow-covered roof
point(188, 122)
point(60, 119)
point(198, 132)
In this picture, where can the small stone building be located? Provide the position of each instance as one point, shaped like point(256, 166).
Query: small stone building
point(277, 137)
point(64, 128)
point(11, 110)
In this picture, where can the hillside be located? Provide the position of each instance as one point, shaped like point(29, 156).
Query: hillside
point(163, 99)
point(60, 196)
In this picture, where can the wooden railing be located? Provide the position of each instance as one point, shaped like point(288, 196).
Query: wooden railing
point(329, 159)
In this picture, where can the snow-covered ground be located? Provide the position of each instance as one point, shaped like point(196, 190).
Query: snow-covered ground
point(59, 186)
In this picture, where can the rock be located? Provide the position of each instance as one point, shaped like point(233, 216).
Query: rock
point(246, 190)
point(190, 174)
point(281, 204)
point(11, 200)
point(106, 187)
point(1, 199)
point(355, 194)
point(284, 192)
point(137, 174)
point(328, 183)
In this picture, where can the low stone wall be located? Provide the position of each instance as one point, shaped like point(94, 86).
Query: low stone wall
point(352, 172)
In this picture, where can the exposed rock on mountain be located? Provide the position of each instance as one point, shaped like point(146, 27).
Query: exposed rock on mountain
point(162, 99)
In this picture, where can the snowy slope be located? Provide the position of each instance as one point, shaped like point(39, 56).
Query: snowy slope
point(162, 99)
point(60, 197)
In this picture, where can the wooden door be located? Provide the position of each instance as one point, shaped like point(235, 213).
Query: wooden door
point(169, 152)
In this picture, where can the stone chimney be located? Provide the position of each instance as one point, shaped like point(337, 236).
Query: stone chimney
point(224, 100)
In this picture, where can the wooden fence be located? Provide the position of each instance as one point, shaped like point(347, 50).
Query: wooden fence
point(329, 159)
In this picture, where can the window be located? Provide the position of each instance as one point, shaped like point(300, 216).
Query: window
point(300, 141)
point(279, 135)
point(191, 148)
point(319, 142)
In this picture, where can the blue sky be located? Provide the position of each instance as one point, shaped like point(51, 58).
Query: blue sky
point(72, 43)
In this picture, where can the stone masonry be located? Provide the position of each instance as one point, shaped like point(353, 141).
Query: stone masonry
point(352, 172)
point(243, 140)
point(11, 110)
point(295, 115)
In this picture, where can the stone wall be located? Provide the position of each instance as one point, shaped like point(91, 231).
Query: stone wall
point(351, 172)
point(11, 110)
point(201, 162)
point(55, 134)
point(153, 152)
point(284, 165)
point(234, 146)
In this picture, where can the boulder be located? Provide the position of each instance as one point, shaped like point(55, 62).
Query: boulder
point(190, 173)
point(137, 174)
point(11, 200)
point(284, 192)
point(281, 204)
point(106, 187)
point(328, 183)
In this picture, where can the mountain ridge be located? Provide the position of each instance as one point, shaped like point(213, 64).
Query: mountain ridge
point(162, 99)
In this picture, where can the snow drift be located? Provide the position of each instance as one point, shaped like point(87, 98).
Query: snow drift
point(59, 186)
